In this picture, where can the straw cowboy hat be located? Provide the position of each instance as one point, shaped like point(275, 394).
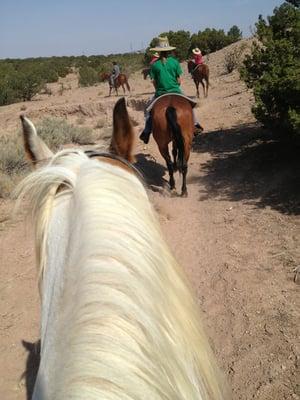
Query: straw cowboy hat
point(196, 51)
point(163, 45)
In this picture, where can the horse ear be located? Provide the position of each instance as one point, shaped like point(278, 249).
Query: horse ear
point(34, 146)
point(123, 134)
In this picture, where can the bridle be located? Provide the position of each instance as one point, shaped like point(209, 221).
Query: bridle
point(115, 157)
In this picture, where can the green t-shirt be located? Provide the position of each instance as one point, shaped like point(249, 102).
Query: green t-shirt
point(165, 75)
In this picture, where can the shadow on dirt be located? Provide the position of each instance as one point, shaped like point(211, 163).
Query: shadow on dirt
point(32, 366)
point(152, 171)
point(249, 164)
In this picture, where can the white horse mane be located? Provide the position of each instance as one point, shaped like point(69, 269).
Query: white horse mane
point(126, 325)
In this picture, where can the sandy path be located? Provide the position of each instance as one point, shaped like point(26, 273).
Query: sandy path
point(236, 236)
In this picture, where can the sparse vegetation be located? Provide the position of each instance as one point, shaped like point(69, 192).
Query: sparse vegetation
point(88, 76)
point(233, 58)
point(21, 80)
point(273, 70)
point(55, 132)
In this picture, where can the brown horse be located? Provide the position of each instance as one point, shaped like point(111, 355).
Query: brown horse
point(172, 118)
point(200, 74)
point(145, 72)
point(120, 81)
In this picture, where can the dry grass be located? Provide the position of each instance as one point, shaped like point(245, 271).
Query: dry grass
point(55, 132)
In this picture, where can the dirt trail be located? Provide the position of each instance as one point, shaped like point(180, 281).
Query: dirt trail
point(236, 236)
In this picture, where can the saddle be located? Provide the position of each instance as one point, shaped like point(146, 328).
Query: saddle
point(191, 101)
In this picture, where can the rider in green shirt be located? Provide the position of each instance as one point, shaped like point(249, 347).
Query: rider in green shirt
point(166, 77)
point(166, 73)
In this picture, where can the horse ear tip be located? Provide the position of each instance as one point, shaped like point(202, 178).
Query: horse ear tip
point(121, 102)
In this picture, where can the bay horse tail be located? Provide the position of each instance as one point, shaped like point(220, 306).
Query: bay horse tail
point(175, 128)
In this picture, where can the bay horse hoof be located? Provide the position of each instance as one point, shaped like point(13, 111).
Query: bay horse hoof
point(184, 194)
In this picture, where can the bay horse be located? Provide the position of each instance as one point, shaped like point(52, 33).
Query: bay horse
point(118, 318)
point(145, 72)
point(172, 121)
point(121, 80)
point(200, 75)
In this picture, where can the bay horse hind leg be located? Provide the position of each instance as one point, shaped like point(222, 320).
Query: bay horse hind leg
point(197, 88)
point(204, 91)
point(207, 84)
point(175, 152)
point(164, 151)
point(184, 192)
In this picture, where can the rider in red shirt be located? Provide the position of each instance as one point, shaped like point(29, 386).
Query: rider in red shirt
point(197, 56)
point(154, 58)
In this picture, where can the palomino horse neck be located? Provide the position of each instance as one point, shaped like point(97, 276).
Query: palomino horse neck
point(118, 318)
point(173, 122)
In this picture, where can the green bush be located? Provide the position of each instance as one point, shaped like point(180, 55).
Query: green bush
point(273, 70)
point(234, 34)
point(21, 80)
point(181, 40)
point(88, 76)
point(211, 40)
point(208, 41)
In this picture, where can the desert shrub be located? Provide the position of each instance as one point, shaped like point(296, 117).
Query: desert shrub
point(21, 80)
point(12, 163)
point(11, 155)
point(26, 85)
point(7, 93)
point(88, 76)
point(9, 182)
point(233, 58)
point(57, 132)
point(273, 70)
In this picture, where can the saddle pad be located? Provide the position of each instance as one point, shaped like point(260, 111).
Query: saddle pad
point(192, 102)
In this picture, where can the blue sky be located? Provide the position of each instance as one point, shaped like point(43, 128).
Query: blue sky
point(32, 28)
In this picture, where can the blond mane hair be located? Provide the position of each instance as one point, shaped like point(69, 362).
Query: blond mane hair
point(125, 324)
